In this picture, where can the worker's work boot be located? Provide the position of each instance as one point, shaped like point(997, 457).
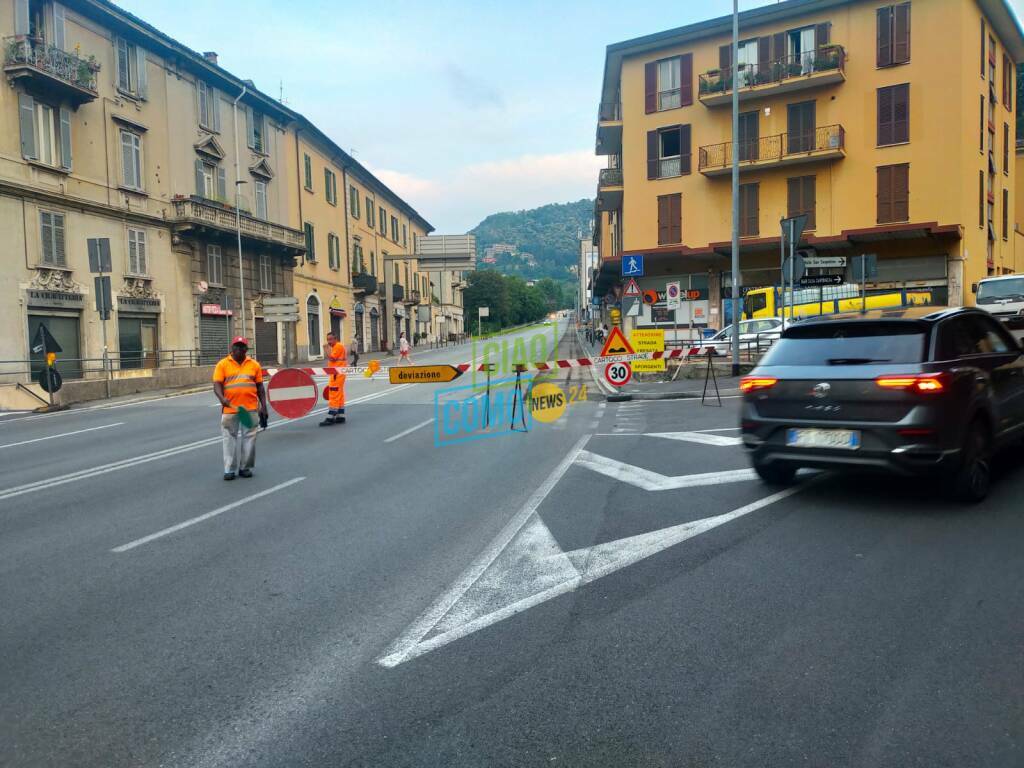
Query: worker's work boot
point(328, 421)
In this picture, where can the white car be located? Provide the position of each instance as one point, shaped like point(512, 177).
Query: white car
point(755, 338)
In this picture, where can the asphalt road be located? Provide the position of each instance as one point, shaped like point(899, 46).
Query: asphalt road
point(611, 589)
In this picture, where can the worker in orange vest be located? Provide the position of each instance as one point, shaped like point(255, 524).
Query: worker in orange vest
point(238, 383)
point(336, 357)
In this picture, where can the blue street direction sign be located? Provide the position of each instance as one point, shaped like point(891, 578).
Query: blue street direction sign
point(633, 266)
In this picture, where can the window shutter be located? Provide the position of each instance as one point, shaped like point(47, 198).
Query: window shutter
point(1006, 214)
point(883, 54)
point(793, 191)
point(753, 209)
point(809, 201)
point(901, 33)
point(901, 113)
point(21, 17)
point(1007, 82)
point(686, 79)
point(250, 128)
point(123, 78)
point(822, 33)
point(884, 194)
point(685, 150)
point(981, 198)
point(46, 236)
point(764, 53)
point(140, 251)
point(65, 138)
point(885, 116)
point(143, 78)
point(663, 218)
point(650, 87)
point(652, 155)
point(778, 46)
point(676, 218)
point(724, 58)
point(127, 161)
point(58, 239)
point(57, 15)
point(204, 114)
point(215, 109)
point(1006, 148)
point(222, 186)
point(901, 192)
point(27, 120)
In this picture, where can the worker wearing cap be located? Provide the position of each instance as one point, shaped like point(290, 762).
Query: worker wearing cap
point(336, 357)
point(238, 383)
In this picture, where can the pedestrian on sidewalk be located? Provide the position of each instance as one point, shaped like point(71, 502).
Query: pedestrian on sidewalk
point(238, 383)
point(334, 354)
point(403, 349)
point(356, 344)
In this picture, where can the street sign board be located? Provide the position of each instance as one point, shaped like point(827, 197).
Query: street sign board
point(633, 266)
point(808, 281)
point(281, 301)
point(483, 311)
point(441, 252)
point(280, 317)
point(647, 340)
point(101, 284)
point(672, 298)
point(43, 341)
point(798, 267)
point(423, 374)
point(617, 344)
point(618, 374)
point(793, 228)
point(99, 254)
point(631, 306)
point(825, 262)
point(292, 393)
point(631, 289)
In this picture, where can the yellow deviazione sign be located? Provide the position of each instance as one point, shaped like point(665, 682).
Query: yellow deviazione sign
point(423, 374)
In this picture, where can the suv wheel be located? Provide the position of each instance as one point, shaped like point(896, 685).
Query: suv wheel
point(775, 474)
point(974, 477)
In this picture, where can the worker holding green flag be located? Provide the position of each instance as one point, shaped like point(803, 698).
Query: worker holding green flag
point(238, 385)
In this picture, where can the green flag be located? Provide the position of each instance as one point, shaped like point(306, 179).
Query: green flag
point(245, 417)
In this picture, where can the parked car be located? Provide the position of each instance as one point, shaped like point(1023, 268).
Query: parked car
point(755, 337)
point(915, 391)
point(1003, 298)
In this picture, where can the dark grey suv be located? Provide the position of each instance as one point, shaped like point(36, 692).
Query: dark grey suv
point(914, 391)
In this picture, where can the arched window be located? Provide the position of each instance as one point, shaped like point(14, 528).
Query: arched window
point(313, 325)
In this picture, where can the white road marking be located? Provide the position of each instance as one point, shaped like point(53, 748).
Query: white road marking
point(409, 431)
point(407, 643)
point(530, 568)
point(647, 480)
point(63, 434)
point(12, 413)
point(207, 516)
point(698, 437)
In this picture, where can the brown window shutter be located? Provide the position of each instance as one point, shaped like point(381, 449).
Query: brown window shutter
point(724, 57)
point(754, 209)
point(884, 194)
point(981, 125)
point(1006, 148)
point(652, 155)
point(983, 48)
point(676, 218)
point(685, 150)
point(821, 34)
point(883, 54)
point(885, 116)
point(764, 55)
point(901, 192)
point(901, 113)
point(793, 190)
point(748, 209)
point(778, 46)
point(901, 33)
point(1006, 214)
point(664, 213)
point(686, 79)
point(650, 87)
point(1007, 82)
point(809, 201)
point(981, 198)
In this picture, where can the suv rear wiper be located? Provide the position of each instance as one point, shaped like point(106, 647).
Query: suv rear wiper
point(854, 360)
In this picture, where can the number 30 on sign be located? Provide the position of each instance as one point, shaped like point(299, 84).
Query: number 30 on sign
point(618, 374)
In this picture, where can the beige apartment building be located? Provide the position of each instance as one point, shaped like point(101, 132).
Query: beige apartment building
point(110, 129)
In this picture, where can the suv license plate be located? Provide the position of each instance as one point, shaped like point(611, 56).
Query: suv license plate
point(848, 439)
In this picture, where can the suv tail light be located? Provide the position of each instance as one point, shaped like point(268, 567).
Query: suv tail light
point(752, 383)
point(923, 383)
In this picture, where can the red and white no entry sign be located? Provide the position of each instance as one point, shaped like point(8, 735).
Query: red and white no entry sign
point(292, 393)
point(618, 374)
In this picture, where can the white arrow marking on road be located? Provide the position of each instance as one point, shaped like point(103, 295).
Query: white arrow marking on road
point(698, 437)
point(531, 568)
point(655, 481)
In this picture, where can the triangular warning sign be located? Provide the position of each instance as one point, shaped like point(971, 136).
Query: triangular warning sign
point(617, 344)
point(43, 341)
point(631, 289)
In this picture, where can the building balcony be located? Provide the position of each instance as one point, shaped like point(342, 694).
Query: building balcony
point(825, 143)
point(801, 71)
point(609, 128)
point(412, 297)
point(49, 71)
point(397, 292)
point(364, 283)
point(198, 217)
point(609, 189)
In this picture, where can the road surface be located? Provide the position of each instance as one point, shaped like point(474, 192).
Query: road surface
point(611, 589)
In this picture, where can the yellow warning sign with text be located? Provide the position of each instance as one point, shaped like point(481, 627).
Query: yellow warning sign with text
point(647, 340)
point(648, 366)
point(422, 374)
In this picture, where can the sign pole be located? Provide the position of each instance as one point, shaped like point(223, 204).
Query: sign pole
point(782, 272)
point(863, 282)
point(735, 189)
point(46, 370)
point(792, 269)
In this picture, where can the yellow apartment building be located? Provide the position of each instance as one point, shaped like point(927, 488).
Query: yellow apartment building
point(891, 125)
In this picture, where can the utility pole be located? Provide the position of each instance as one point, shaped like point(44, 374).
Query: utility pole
point(735, 293)
point(238, 211)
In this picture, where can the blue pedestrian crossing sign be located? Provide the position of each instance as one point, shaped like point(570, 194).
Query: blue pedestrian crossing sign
point(633, 266)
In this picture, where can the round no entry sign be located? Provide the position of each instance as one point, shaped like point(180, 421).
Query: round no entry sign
point(292, 393)
point(618, 374)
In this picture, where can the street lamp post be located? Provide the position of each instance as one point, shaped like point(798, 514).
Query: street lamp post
point(238, 211)
point(735, 293)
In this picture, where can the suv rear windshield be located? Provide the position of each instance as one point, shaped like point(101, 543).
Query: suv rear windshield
point(856, 343)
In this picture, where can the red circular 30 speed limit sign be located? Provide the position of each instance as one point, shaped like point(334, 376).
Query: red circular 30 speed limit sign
point(292, 393)
point(618, 373)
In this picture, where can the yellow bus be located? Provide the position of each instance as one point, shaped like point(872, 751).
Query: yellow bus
point(829, 299)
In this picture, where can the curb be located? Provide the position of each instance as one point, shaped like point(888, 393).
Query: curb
point(678, 395)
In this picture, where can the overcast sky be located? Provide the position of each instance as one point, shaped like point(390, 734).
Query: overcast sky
point(464, 108)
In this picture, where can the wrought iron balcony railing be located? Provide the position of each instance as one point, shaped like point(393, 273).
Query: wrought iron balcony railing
point(827, 58)
point(609, 177)
point(364, 282)
point(197, 211)
point(27, 54)
point(609, 111)
point(770, 149)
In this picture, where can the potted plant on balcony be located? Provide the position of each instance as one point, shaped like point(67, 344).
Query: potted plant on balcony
point(826, 60)
point(794, 68)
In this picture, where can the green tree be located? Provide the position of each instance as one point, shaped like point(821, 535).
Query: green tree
point(486, 288)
